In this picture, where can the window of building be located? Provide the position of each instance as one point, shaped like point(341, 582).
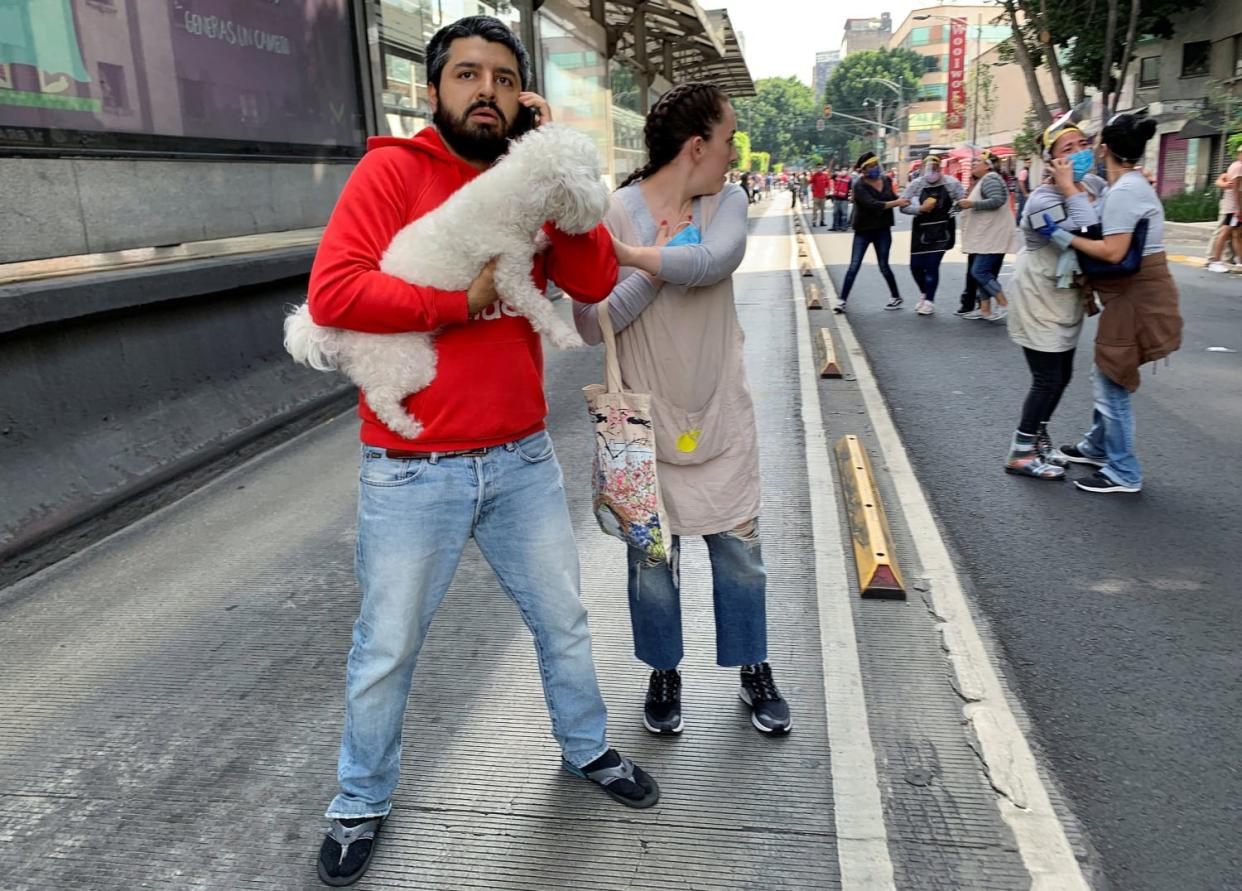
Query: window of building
point(1149, 71)
point(1237, 55)
point(575, 78)
point(112, 91)
point(920, 36)
point(933, 91)
point(1196, 57)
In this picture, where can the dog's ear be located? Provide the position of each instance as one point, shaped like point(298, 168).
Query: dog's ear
point(578, 201)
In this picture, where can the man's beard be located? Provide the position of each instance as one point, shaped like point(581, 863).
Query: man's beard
point(471, 141)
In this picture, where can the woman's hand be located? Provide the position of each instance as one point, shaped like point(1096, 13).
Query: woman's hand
point(1063, 176)
point(965, 204)
point(537, 104)
point(927, 206)
point(900, 202)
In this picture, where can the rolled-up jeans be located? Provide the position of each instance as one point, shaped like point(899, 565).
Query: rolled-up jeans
point(739, 588)
point(414, 518)
point(984, 269)
point(1112, 431)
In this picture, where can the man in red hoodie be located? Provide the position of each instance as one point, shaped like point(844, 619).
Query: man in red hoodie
point(820, 185)
point(484, 465)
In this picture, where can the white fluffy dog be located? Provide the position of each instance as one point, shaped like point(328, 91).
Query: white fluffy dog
point(550, 174)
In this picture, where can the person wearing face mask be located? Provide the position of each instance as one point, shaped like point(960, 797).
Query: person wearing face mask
point(678, 338)
point(874, 200)
point(1046, 309)
point(987, 232)
point(931, 196)
point(1140, 321)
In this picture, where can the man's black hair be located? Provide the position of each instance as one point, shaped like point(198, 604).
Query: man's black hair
point(490, 29)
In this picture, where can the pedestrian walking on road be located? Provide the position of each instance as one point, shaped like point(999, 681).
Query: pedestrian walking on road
point(1141, 321)
point(821, 185)
point(987, 234)
point(1228, 237)
point(678, 338)
point(931, 198)
point(484, 466)
point(874, 200)
point(795, 189)
point(1046, 307)
point(841, 182)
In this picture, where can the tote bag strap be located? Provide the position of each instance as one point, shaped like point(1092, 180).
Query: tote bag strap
point(612, 366)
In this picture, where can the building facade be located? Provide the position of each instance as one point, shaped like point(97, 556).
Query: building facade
point(866, 34)
point(825, 62)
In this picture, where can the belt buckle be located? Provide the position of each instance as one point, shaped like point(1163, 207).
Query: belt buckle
point(473, 453)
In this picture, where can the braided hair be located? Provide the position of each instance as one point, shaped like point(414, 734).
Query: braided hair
point(685, 111)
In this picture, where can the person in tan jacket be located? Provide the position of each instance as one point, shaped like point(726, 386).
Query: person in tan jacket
point(679, 231)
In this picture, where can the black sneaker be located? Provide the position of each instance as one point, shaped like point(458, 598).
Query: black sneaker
point(346, 850)
point(769, 712)
point(839, 309)
point(964, 310)
point(1074, 455)
point(895, 303)
point(1102, 484)
point(662, 710)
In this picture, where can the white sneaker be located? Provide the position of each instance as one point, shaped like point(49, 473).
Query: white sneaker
point(997, 314)
point(925, 308)
point(974, 314)
point(1217, 266)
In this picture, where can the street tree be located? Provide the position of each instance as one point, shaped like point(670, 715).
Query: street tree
point(855, 88)
point(741, 141)
point(780, 117)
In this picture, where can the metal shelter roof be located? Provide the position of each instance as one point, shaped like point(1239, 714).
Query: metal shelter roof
point(677, 38)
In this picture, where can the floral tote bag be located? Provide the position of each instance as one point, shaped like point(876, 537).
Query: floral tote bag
point(626, 493)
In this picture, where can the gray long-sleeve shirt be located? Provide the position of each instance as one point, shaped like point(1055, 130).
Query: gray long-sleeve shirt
point(694, 265)
point(912, 191)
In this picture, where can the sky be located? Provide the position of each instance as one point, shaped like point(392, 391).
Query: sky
point(783, 36)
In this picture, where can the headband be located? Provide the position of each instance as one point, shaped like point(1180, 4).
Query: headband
point(867, 163)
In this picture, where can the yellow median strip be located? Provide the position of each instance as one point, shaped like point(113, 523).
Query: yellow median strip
point(878, 574)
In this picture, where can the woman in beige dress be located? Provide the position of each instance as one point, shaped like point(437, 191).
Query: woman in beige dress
point(680, 232)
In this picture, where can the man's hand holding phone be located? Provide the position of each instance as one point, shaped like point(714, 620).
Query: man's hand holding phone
point(537, 107)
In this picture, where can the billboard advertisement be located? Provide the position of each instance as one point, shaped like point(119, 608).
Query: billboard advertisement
point(955, 112)
point(248, 71)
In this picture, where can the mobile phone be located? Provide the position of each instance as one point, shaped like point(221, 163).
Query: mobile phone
point(527, 118)
point(1056, 213)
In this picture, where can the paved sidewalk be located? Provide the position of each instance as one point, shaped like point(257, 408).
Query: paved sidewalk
point(173, 696)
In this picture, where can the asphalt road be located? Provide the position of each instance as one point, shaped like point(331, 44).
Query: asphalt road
point(1118, 614)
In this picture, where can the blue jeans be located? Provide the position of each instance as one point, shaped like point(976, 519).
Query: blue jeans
point(1112, 431)
point(882, 238)
point(414, 518)
point(739, 588)
point(983, 269)
point(840, 214)
point(925, 268)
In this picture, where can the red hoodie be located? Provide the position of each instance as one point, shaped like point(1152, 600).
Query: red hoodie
point(488, 387)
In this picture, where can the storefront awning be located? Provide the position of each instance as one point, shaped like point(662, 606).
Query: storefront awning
point(676, 38)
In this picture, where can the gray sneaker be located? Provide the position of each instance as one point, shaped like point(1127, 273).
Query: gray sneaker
point(973, 314)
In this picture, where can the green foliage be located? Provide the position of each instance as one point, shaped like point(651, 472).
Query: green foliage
point(853, 81)
point(1027, 144)
point(1234, 142)
point(778, 167)
point(780, 117)
point(761, 161)
point(1194, 206)
point(741, 142)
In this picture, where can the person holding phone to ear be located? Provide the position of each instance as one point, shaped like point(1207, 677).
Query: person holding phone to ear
point(1045, 308)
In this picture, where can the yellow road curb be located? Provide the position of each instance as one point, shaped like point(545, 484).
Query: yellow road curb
point(830, 368)
point(874, 558)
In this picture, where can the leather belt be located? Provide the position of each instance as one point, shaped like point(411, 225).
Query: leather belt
point(460, 453)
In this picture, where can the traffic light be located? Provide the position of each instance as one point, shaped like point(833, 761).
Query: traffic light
point(827, 111)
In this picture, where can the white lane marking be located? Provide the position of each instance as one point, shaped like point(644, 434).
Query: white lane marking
point(862, 838)
point(1024, 802)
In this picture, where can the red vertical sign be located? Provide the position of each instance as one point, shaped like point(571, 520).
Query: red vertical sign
point(955, 113)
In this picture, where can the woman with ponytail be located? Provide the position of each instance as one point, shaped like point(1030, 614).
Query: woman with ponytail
point(1140, 321)
point(679, 231)
point(874, 200)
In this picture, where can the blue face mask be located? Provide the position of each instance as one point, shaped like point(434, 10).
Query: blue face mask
point(873, 172)
point(688, 235)
point(1083, 162)
point(932, 176)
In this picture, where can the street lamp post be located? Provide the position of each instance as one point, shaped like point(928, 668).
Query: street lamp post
point(896, 88)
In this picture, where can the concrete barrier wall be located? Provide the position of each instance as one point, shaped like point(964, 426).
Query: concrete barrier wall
point(74, 206)
point(112, 384)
